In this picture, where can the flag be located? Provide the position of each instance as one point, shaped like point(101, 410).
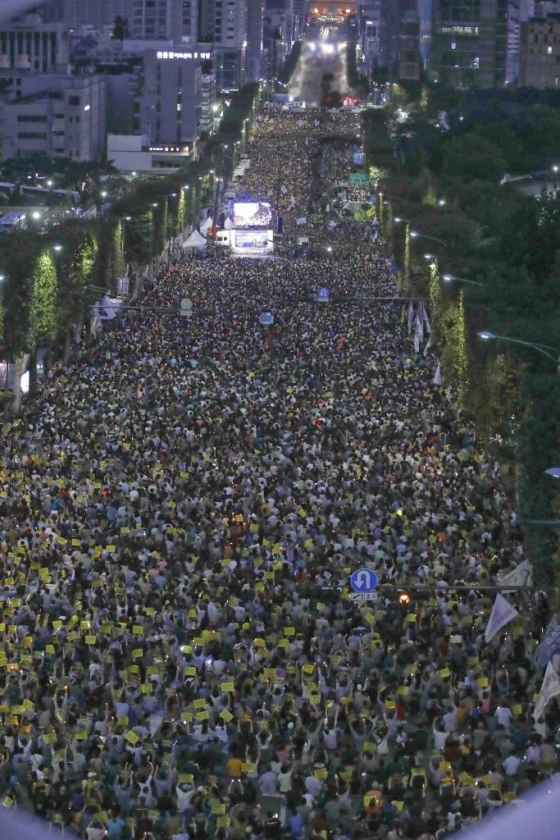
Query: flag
point(420, 323)
point(426, 319)
point(437, 375)
point(550, 688)
point(428, 345)
point(502, 613)
point(522, 575)
point(549, 644)
point(403, 313)
point(416, 341)
point(95, 323)
point(410, 315)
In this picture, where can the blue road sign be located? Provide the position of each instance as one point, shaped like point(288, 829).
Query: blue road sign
point(323, 294)
point(267, 318)
point(363, 580)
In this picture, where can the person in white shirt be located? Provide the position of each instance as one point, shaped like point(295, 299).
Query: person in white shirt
point(503, 715)
point(511, 765)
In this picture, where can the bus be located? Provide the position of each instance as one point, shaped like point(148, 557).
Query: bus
point(10, 222)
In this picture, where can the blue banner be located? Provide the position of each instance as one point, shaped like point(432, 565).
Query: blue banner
point(550, 643)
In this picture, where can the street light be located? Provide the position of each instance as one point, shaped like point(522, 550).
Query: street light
point(553, 471)
point(57, 247)
point(415, 234)
point(450, 278)
point(540, 348)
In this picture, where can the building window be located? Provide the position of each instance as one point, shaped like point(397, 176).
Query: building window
point(31, 135)
point(31, 118)
point(73, 100)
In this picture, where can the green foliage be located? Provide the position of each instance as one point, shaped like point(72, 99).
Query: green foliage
point(180, 217)
point(454, 353)
point(468, 157)
point(43, 312)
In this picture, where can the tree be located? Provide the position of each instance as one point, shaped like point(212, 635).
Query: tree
point(472, 156)
point(119, 29)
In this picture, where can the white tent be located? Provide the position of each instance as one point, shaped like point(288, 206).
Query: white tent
point(195, 240)
point(206, 225)
point(228, 224)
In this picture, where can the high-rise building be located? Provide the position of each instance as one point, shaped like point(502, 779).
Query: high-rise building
point(171, 97)
point(255, 22)
point(409, 54)
point(27, 45)
point(425, 15)
point(151, 20)
point(470, 43)
point(539, 64)
point(98, 14)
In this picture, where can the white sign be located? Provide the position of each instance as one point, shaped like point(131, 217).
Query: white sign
point(167, 55)
point(363, 596)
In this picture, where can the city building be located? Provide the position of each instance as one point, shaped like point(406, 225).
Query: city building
point(171, 97)
point(62, 116)
point(370, 24)
point(469, 43)
point(133, 153)
point(28, 45)
point(255, 26)
point(152, 20)
point(96, 13)
point(409, 54)
point(539, 64)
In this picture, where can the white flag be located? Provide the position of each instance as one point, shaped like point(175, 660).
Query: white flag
point(410, 315)
point(437, 375)
point(549, 689)
point(522, 575)
point(502, 613)
point(428, 345)
point(419, 324)
point(416, 341)
point(426, 320)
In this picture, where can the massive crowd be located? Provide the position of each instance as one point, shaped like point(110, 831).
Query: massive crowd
point(180, 515)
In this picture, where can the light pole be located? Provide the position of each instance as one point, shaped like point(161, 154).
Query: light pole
point(539, 348)
point(450, 278)
point(416, 235)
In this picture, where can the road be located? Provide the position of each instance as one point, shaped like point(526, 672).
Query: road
point(317, 58)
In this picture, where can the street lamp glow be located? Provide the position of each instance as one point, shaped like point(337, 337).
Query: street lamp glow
point(57, 247)
point(36, 215)
point(154, 204)
point(2, 277)
point(414, 233)
point(553, 471)
point(428, 256)
point(104, 194)
point(555, 168)
point(399, 219)
point(49, 183)
point(127, 218)
point(543, 349)
point(441, 202)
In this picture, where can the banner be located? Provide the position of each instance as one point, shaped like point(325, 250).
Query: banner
point(549, 689)
point(550, 643)
point(502, 613)
point(522, 575)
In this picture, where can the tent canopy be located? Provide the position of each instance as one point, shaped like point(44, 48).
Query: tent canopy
point(195, 240)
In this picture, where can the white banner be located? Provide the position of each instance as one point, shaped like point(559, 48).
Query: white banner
point(502, 613)
point(437, 375)
point(549, 689)
point(522, 575)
